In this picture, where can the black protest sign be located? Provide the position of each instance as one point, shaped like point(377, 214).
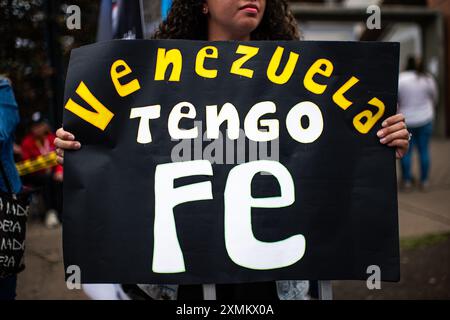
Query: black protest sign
point(225, 162)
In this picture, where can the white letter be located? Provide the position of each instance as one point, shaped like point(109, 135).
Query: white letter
point(251, 122)
point(374, 21)
point(145, 113)
point(74, 279)
point(242, 246)
point(214, 150)
point(182, 151)
point(294, 125)
point(74, 20)
point(174, 119)
point(229, 114)
point(167, 254)
point(374, 280)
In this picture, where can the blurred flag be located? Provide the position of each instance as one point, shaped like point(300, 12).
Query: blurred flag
point(165, 7)
point(120, 19)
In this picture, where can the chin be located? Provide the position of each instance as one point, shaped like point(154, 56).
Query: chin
point(249, 25)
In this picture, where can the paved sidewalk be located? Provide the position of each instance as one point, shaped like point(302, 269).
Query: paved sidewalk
point(424, 213)
point(43, 277)
point(419, 214)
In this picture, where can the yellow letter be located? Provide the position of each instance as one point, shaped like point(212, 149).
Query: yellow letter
point(339, 98)
point(248, 52)
point(100, 119)
point(126, 89)
point(199, 62)
point(275, 63)
point(173, 57)
point(309, 83)
point(371, 118)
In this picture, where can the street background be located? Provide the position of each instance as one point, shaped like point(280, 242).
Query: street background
point(35, 50)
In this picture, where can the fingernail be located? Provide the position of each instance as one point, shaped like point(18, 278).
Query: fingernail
point(383, 140)
point(380, 133)
point(384, 124)
point(71, 137)
point(77, 145)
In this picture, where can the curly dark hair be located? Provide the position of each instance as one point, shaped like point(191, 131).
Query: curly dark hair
point(186, 21)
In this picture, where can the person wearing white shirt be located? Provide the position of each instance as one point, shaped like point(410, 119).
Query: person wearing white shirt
point(417, 96)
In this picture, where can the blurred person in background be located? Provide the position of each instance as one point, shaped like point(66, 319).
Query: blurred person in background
point(9, 118)
point(417, 95)
point(38, 142)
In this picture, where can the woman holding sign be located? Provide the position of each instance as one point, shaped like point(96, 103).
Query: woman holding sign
point(239, 20)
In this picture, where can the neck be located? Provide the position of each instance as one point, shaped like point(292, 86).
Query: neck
point(216, 33)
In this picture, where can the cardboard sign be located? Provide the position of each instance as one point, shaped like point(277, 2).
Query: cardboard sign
point(228, 162)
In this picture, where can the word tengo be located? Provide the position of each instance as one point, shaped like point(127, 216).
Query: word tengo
point(229, 114)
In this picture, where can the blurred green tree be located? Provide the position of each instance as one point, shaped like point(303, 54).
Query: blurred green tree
point(35, 48)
